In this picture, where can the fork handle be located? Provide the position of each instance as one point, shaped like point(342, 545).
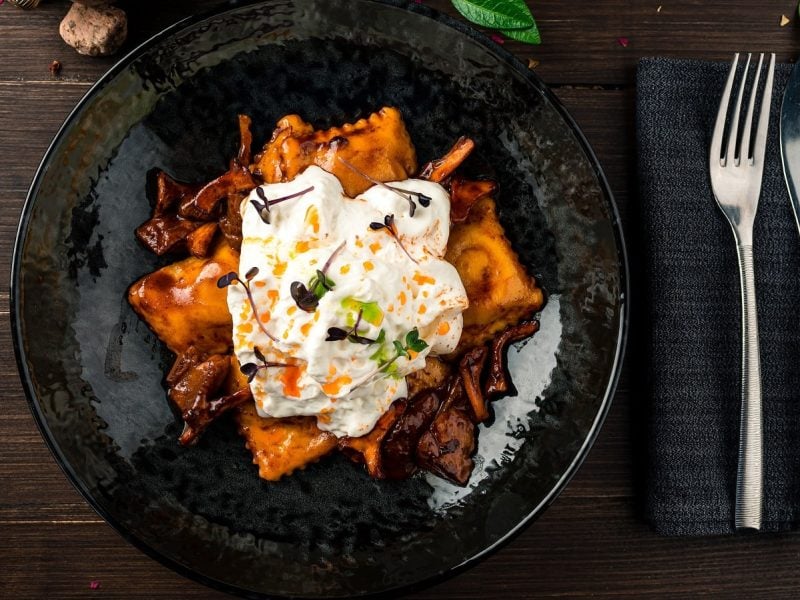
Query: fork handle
point(749, 476)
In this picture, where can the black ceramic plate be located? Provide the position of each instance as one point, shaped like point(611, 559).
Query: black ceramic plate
point(93, 372)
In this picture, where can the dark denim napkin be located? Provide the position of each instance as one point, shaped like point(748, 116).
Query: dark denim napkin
point(692, 311)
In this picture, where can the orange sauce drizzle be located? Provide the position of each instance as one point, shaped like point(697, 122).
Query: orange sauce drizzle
point(333, 387)
point(290, 378)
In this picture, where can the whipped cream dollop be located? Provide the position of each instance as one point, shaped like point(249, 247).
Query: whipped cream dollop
point(326, 265)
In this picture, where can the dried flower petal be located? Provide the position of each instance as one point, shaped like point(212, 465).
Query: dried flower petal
point(95, 583)
point(784, 20)
point(497, 39)
point(532, 63)
point(55, 66)
point(658, 10)
point(623, 41)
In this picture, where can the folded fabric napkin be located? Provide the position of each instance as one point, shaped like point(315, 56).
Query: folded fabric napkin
point(692, 313)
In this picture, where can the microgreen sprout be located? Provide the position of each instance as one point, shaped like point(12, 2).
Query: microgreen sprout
point(304, 298)
point(411, 343)
point(423, 199)
point(336, 334)
point(320, 283)
point(307, 296)
point(233, 277)
point(263, 206)
point(389, 225)
point(250, 370)
point(406, 195)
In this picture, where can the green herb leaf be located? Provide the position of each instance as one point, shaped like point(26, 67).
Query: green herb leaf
point(496, 14)
point(325, 280)
point(320, 284)
point(414, 342)
point(398, 347)
point(381, 355)
point(370, 311)
point(418, 345)
point(381, 337)
point(529, 35)
point(392, 371)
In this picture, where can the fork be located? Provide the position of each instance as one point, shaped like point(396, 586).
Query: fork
point(736, 183)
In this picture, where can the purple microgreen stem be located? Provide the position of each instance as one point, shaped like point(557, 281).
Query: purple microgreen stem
point(232, 277)
point(388, 225)
point(336, 334)
point(330, 260)
point(307, 297)
point(424, 199)
point(412, 342)
point(412, 207)
point(252, 369)
point(263, 206)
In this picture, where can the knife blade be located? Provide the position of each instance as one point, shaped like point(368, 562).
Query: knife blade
point(790, 140)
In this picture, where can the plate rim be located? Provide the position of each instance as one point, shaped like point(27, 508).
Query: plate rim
point(621, 334)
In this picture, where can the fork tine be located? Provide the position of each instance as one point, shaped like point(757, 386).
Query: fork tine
point(744, 147)
point(719, 126)
point(760, 145)
point(730, 153)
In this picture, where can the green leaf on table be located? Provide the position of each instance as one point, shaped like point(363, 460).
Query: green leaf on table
point(529, 35)
point(496, 14)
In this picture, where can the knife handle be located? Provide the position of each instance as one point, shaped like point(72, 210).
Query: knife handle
point(749, 477)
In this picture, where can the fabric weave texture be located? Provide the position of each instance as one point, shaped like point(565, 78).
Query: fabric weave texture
point(693, 308)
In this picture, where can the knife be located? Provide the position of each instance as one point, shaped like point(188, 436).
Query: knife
point(790, 140)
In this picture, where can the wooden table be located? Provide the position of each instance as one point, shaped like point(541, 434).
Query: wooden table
point(591, 541)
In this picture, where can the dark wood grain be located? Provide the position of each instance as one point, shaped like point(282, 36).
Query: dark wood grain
point(580, 39)
point(590, 542)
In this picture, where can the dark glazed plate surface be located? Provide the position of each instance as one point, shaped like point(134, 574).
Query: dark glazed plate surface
point(93, 372)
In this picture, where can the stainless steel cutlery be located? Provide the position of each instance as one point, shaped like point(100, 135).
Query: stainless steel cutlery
point(736, 165)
